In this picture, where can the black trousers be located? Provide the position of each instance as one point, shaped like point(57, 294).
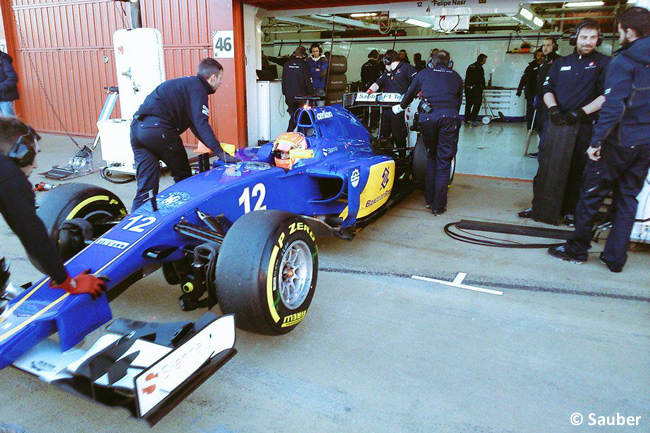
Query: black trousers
point(292, 107)
point(623, 170)
point(530, 111)
point(395, 125)
point(473, 100)
point(153, 141)
point(578, 161)
point(440, 134)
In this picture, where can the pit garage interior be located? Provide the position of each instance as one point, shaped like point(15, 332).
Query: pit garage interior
point(409, 330)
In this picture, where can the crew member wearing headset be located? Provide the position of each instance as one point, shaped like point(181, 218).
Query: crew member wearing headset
point(619, 152)
point(441, 92)
point(573, 93)
point(18, 148)
point(396, 79)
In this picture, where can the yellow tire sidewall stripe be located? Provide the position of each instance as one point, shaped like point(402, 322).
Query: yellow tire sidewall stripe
point(85, 203)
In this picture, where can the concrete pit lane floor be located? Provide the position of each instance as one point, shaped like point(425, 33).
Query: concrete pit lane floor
point(382, 352)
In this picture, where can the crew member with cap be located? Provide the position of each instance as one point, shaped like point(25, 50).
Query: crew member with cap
point(396, 79)
point(296, 81)
point(573, 93)
point(371, 70)
point(168, 111)
point(441, 91)
point(18, 148)
point(619, 151)
point(474, 85)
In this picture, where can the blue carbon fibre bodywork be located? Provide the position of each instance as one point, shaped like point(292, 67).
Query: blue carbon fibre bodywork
point(326, 185)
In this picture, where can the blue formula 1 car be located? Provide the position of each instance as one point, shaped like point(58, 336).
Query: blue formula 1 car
point(241, 235)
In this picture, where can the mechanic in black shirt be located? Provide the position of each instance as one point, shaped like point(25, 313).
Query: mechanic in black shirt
point(441, 91)
point(528, 84)
point(549, 48)
point(573, 93)
point(296, 81)
point(396, 79)
point(371, 70)
point(619, 152)
point(18, 150)
point(474, 85)
point(172, 108)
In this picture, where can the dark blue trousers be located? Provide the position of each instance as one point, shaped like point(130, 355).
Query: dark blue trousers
point(153, 141)
point(395, 125)
point(440, 134)
point(623, 170)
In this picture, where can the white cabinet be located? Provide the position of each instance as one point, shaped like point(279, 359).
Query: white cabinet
point(272, 116)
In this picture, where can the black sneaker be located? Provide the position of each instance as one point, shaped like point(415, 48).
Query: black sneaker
point(612, 268)
point(428, 206)
point(569, 220)
point(561, 253)
point(526, 213)
point(439, 212)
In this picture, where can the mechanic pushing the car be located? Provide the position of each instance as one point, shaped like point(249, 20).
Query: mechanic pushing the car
point(396, 79)
point(172, 108)
point(619, 153)
point(441, 91)
point(18, 148)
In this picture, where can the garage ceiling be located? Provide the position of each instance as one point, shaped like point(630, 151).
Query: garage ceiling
point(274, 5)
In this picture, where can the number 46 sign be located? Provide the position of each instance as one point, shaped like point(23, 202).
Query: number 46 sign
point(222, 42)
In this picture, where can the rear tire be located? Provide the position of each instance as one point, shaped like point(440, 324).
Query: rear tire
point(266, 271)
point(76, 201)
point(419, 168)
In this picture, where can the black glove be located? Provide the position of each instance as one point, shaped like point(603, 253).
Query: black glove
point(575, 116)
point(518, 92)
point(227, 158)
point(556, 116)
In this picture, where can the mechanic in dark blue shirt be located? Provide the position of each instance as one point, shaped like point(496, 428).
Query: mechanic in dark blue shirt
point(17, 160)
point(573, 93)
point(396, 79)
point(172, 108)
point(441, 91)
point(619, 153)
point(296, 81)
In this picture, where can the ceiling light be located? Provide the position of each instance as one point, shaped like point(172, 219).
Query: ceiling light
point(583, 4)
point(526, 13)
point(363, 14)
point(527, 17)
point(417, 23)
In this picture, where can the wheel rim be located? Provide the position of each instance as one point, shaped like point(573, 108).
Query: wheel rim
point(296, 268)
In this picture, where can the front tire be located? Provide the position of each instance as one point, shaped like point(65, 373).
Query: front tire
point(266, 271)
point(73, 201)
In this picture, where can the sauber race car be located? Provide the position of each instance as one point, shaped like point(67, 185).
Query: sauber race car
point(239, 235)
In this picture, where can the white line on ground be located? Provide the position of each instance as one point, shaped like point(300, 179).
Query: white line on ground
point(457, 283)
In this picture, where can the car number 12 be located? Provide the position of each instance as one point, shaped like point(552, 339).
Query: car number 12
point(143, 222)
point(259, 191)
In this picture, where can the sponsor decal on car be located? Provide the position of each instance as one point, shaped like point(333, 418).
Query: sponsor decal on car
point(112, 243)
point(324, 115)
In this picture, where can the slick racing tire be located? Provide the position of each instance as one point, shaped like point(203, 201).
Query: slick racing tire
point(266, 271)
point(419, 168)
point(80, 202)
point(419, 163)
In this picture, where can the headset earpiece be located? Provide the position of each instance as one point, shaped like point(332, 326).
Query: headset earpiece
point(23, 152)
point(573, 39)
point(555, 45)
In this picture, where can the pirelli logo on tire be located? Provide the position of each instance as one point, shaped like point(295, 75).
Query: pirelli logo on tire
point(293, 319)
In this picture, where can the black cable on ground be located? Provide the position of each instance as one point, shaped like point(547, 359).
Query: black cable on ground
point(475, 239)
point(102, 173)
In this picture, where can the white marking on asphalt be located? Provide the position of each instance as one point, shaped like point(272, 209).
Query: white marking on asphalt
point(457, 283)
